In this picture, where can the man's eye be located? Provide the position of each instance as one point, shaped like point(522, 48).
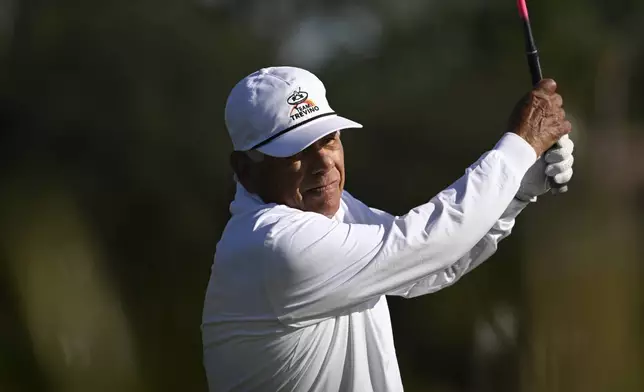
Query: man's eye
point(330, 140)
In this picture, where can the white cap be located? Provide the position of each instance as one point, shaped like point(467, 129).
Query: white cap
point(280, 111)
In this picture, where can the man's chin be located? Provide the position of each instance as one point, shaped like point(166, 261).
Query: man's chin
point(327, 207)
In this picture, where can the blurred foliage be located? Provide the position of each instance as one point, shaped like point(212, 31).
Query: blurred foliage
point(115, 183)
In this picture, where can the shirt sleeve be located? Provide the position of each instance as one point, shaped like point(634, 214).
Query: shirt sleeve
point(319, 267)
point(482, 251)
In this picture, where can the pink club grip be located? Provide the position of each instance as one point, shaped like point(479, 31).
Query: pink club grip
point(523, 9)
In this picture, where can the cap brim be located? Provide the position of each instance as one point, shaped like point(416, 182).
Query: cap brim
point(303, 136)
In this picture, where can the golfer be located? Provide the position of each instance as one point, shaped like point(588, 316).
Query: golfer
point(297, 296)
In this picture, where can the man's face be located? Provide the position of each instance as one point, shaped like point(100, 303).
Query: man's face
point(311, 180)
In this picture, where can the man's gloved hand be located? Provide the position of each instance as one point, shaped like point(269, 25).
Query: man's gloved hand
point(556, 163)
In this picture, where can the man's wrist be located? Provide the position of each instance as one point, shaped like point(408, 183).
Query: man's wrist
point(518, 151)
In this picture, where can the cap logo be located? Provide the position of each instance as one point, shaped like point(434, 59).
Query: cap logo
point(302, 105)
point(297, 97)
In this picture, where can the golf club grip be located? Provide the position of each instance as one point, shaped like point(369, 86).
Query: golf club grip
point(535, 66)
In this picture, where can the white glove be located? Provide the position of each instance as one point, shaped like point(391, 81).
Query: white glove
point(555, 164)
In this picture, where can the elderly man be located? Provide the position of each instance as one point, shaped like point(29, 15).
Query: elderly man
point(297, 296)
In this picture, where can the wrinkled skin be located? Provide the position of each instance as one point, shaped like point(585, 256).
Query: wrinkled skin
point(539, 117)
point(311, 180)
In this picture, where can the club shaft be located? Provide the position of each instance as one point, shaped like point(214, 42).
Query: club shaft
point(532, 54)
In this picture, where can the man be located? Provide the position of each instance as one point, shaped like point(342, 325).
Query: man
point(296, 300)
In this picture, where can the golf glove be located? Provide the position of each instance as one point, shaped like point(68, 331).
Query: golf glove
point(555, 164)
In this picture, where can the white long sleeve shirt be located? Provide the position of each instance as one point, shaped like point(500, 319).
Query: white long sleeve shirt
point(296, 301)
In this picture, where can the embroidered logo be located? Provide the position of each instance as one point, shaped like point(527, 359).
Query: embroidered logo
point(302, 105)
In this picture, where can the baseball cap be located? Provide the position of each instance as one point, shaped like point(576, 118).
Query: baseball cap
point(280, 111)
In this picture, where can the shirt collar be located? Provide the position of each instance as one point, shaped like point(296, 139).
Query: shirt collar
point(245, 201)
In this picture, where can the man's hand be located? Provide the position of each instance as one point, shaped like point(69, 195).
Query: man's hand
point(539, 117)
point(556, 163)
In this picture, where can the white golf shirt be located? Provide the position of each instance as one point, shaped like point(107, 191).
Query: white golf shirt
point(296, 301)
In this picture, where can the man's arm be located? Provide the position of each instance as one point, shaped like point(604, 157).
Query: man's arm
point(319, 267)
point(556, 165)
point(482, 251)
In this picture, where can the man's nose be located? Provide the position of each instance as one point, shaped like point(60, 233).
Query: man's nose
point(320, 160)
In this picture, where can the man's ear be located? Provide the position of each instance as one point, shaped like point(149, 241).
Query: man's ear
point(242, 166)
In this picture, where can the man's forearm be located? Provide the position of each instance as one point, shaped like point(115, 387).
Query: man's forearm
point(482, 251)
